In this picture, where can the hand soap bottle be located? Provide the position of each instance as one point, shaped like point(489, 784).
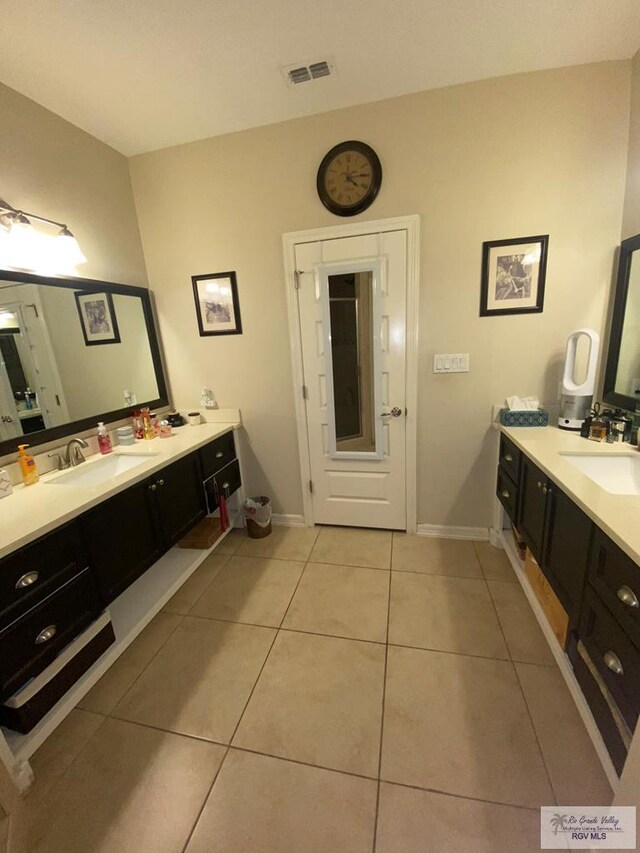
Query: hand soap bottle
point(104, 440)
point(27, 466)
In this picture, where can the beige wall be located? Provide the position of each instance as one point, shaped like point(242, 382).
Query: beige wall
point(540, 153)
point(631, 218)
point(53, 168)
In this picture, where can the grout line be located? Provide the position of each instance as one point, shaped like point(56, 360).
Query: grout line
point(144, 668)
point(205, 801)
point(461, 796)
point(526, 704)
point(384, 694)
point(299, 761)
point(535, 732)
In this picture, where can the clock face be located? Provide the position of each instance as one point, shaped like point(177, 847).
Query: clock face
point(349, 178)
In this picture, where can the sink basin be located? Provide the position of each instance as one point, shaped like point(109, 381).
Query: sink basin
point(617, 474)
point(93, 473)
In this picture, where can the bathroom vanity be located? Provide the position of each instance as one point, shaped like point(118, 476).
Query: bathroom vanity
point(576, 504)
point(92, 550)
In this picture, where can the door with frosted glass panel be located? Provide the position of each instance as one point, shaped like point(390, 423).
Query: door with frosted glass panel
point(352, 306)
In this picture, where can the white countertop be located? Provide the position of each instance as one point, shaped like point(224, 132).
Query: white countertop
point(617, 515)
point(34, 510)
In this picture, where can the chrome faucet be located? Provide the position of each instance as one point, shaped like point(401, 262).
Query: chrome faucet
point(73, 455)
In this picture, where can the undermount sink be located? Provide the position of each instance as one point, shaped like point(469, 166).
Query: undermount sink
point(93, 473)
point(617, 474)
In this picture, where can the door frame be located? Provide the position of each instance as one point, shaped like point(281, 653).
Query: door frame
point(410, 224)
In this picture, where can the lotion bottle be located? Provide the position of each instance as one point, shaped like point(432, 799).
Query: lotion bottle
point(27, 466)
point(104, 440)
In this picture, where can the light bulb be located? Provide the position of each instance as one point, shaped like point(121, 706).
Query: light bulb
point(67, 249)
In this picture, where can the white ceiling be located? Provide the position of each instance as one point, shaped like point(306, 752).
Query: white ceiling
point(145, 74)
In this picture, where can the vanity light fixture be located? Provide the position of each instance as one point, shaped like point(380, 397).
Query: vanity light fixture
point(23, 246)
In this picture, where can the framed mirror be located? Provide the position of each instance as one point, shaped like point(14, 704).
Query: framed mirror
point(622, 372)
point(73, 352)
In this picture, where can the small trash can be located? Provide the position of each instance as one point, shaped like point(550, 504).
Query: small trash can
point(257, 513)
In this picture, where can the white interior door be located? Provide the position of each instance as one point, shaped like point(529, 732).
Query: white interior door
point(352, 308)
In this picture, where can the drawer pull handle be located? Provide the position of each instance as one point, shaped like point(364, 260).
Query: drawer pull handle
point(505, 493)
point(161, 482)
point(219, 454)
point(613, 662)
point(539, 484)
point(508, 457)
point(627, 596)
point(46, 634)
point(152, 487)
point(27, 579)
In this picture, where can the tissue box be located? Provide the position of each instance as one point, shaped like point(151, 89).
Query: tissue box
point(524, 419)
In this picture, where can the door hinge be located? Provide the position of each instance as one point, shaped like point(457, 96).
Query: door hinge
point(296, 279)
point(305, 392)
point(311, 486)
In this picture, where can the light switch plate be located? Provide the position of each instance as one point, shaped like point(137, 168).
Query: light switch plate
point(457, 362)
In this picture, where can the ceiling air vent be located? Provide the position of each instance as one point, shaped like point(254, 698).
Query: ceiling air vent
point(295, 74)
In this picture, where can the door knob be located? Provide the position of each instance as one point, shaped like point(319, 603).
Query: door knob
point(394, 413)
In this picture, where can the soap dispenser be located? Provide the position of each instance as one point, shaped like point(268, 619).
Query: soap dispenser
point(104, 440)
point(27, 466)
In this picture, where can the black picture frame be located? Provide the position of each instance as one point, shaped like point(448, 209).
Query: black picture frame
point(500, 286)
point(10, 445)
point(620, 296)
point(222, 315)
point(97, 338)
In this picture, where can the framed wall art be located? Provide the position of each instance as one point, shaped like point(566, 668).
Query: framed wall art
point(217, 304)
point(97, 318)
point(513, 276)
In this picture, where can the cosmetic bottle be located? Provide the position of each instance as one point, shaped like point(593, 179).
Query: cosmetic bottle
point(104, 439)
point(146, 422)
point(138, 424)
point(27, 466)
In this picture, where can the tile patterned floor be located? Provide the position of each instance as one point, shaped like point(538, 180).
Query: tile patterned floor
point(321, 690)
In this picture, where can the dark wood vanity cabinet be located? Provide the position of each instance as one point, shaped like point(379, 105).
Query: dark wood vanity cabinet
point(532, 510)
point(565, 551)
point(123, 539)
point(508, 477)
point(48, 595)
point(179, 499)
point(126, 534)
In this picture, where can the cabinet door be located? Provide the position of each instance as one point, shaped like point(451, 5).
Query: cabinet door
point(566, 549)
point(123, 539)
point(180, 498)
point(533, 502)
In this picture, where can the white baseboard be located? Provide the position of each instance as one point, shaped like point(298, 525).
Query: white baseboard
point(288, 520)
point(445, 531)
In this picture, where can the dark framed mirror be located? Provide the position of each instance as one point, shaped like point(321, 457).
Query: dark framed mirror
point(73, 351)
point(622, 371)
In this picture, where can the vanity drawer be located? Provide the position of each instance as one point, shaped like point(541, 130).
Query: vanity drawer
point(225, 482)
point(34, 571)
point(507, 493)
point(217, 454)
point(510, 458)
point(616, 658)
point(616, 578)
point(29, 644)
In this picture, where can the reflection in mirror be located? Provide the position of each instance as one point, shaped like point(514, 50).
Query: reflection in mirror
point(628, 375)
point(351, 318)
point(51, 371)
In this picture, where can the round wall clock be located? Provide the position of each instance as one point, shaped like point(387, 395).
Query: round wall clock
point(349, 178)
